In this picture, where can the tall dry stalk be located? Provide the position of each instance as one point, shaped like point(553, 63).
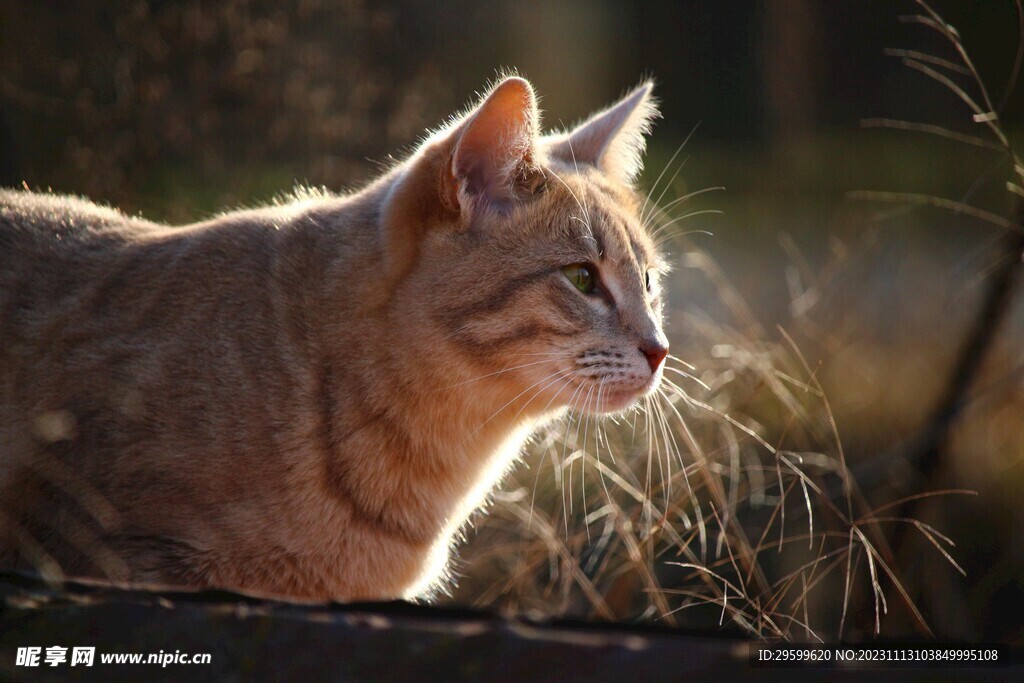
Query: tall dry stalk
point(729, 493)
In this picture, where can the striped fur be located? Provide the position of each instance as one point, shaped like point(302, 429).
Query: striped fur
point(309, 399)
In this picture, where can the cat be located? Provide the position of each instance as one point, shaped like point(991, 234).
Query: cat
point(309, 399)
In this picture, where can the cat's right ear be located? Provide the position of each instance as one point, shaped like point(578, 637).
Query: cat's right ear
point(612, 140)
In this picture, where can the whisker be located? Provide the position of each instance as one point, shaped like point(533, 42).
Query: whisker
point(580, 445)
point(728, 418)
point(686, 476)
point(570, 412)
point(689, 376)
point(579, 204)
point(586, 209)
point(665, 168)
point(513, 400)
point(665, 226)
point(689, 195)
point(688, 366)
point(583, 460)
point(502, 371)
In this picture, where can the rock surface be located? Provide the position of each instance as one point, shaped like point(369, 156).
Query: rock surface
point(255, 639)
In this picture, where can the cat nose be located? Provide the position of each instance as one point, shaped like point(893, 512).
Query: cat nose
point(655, 353)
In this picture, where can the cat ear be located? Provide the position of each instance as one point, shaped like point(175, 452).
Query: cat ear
point(613, 140)
point(483, 162)
point(496, 144)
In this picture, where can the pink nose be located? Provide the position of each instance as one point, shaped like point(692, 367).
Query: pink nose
point(655, 354)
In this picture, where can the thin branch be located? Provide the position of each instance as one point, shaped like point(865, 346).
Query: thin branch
point(981, 115)
point(925, 57)
point(931, 129)
point(939, 202)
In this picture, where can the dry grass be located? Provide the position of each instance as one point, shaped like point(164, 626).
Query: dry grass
point(727, 495)
point(726, 499)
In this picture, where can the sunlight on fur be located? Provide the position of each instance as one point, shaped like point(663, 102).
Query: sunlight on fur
point(311, 399)
point(249, 393)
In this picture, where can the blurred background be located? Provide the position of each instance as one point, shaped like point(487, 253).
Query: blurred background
point(181, 109)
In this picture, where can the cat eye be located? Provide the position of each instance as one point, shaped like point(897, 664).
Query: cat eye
point(647, 280)
point(582, 277)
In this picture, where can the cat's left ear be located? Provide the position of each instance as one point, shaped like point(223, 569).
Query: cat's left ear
point(479, 166)
point(613, 140)
point(496, 147)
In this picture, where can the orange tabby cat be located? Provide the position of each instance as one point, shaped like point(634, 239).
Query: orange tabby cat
point(309, 399)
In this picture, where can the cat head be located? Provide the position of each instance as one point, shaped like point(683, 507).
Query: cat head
point(524, 259)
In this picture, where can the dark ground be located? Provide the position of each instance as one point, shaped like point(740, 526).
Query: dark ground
point(254, 639)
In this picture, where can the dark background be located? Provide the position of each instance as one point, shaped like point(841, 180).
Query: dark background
point(181, 109)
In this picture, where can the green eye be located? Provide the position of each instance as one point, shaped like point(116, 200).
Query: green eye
point(580, 276)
